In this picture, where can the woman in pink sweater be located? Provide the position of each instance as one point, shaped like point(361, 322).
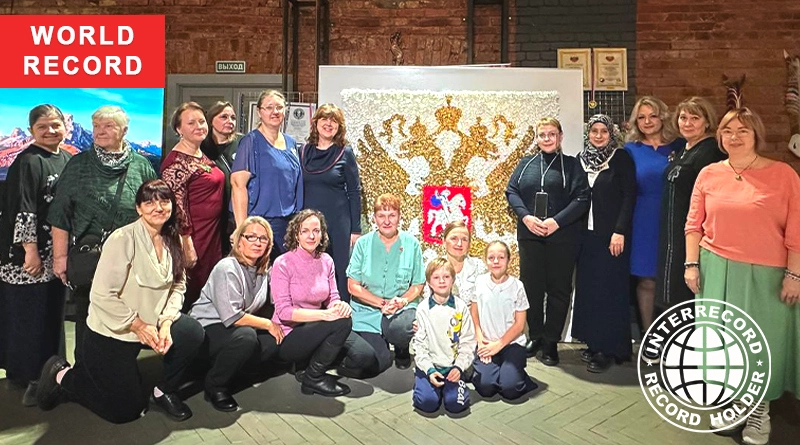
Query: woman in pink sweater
point(315, 322)
point(743, 247)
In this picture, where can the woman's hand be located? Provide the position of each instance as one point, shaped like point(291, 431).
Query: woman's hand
point(343, 309)
point(790, 293)
point(692, 277)
point(550, 225)
point(454, 375)
point(60, 268)
point(33, 262)
point(617, 244)
point(534, 224)
point(164, 338)
point(353, 238)
point(190, 254)
point(147, 333)
point(275, 331)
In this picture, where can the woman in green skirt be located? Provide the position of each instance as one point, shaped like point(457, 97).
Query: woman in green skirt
point(743, 247)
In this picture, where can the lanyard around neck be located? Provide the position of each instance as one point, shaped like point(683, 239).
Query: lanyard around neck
point(545, 170)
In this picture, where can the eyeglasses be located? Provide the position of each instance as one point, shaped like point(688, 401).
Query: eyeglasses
point(253, 238)
point(740, 133)
point(271, 109)
point(547, 135)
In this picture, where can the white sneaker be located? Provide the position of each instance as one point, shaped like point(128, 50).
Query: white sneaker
point(725, 427)
point(758, 427)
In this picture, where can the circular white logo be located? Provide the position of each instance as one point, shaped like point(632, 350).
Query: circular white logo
point(697, 358)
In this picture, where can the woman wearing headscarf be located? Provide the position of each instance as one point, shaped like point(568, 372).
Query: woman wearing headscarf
point(601, 316)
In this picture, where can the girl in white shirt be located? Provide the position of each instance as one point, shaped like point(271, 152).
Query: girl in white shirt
point(498, 310)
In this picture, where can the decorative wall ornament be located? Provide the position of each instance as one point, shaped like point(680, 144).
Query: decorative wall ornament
point(442, 205)
point(792, 100)
point(733, 92)
point(405, 140)
point(397, 50)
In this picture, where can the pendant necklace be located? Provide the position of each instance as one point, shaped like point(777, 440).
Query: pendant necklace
point(738, 176)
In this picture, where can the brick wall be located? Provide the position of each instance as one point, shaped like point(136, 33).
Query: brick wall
point(544, 26)
point(685, 46)
point(202, 31)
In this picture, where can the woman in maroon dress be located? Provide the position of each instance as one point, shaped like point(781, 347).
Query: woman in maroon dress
point(198, 186)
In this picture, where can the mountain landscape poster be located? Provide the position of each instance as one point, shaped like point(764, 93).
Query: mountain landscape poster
point(145, 107)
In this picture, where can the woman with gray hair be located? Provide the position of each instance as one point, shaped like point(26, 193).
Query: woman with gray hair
point(94, 195)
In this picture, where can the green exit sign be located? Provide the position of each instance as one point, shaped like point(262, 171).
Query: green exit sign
point(230, 66)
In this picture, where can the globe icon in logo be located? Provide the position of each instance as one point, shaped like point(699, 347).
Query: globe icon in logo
point(704, 365)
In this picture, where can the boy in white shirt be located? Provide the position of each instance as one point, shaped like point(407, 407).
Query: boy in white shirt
point(444, 344)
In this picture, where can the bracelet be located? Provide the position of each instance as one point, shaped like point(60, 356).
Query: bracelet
point(792, 275)
point(690, 264)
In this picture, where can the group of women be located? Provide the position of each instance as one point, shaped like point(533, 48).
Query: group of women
point(612, 211)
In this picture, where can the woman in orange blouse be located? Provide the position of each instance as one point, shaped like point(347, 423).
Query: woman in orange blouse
point(199, 186)
point(743, 247)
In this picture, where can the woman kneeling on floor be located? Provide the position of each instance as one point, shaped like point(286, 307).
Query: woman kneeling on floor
point(228, 308)
point(314, 320)
point(136, 298)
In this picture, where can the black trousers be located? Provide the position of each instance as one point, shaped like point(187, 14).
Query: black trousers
point(308, 339)
point(367, 354)
point(230, 349)
point(107, 380)
point(31, 327)
point(81, 296)
point(547, 268)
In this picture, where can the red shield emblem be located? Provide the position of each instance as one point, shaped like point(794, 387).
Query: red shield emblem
point(442, 205)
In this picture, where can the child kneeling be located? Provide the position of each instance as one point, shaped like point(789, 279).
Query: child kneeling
point(498, 309)
point(444, 344)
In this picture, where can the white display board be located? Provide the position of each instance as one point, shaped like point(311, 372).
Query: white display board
point(569, 84)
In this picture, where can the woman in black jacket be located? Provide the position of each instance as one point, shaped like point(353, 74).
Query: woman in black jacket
point(550, 194)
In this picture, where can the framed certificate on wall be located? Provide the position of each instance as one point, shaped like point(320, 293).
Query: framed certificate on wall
point(611, 69)
point(578, 59)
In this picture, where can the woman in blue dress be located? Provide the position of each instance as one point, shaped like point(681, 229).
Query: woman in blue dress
point(650, 142)
point(266, 178)
point(332, 186)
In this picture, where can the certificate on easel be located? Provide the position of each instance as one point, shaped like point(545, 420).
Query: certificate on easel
point(610, 69)
point(578, 59)
point(298, 121)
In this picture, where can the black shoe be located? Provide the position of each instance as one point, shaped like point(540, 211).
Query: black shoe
point(586, 355)
point(221, 401)
point(549, 354)
point(48, 394)
point(599, 363)
point(326, 385)
point(532, 347)
point(402, 358)
point(298, 375)
point(173, 406)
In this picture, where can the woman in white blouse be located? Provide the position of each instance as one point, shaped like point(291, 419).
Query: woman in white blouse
point(457, 240)
point(135, 300)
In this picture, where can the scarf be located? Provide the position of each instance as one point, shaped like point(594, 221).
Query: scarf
point(594, 157)
point(113, 159)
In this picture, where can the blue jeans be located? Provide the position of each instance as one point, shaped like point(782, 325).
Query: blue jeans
point(428, 398)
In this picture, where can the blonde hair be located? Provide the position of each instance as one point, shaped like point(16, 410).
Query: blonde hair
point(263, 261)
point(456, 225)
point(699, 107)
point(669, 131)
point(750, 120)
point(496, 243)
point(436, 264)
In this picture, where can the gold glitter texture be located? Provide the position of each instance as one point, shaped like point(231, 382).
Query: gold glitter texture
point(461, 150)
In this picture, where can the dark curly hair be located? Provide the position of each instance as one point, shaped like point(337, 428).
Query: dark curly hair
point(293, 231)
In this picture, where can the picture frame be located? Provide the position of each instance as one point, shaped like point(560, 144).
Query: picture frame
point(579, 59)
point(610, 69)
